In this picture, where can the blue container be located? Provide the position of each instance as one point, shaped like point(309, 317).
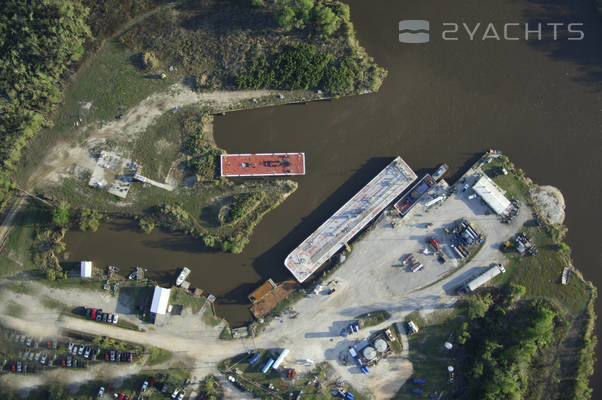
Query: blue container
point(349, 396)
point(419, 381)
point(267, 365)
point(417, 391)
point(254, 358)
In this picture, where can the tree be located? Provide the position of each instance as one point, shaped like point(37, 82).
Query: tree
point(61, 215)
point(285, 18)
point(326, 20)
point(478, 307)
point(257, 3)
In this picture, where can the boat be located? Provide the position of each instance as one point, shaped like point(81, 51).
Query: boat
point(182, 277)
point(133, 275)
point(443, 168)
point(407, 202)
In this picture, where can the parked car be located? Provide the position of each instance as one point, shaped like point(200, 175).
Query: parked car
point(74, 351)
point(112, 355)
point(144, 386)
point(19, 366)
point(98, 316)
point(93, 313)
point(43, 359)
point(87, 352)
point(181, 396)
point(69, 362)
point(81, 349)
point(29, 341)
point(115, 318)
point(37, 357)
point(101, 391)
point(174, 394)
point(70, 347)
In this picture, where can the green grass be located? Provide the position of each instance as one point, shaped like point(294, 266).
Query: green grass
point(226, 333)
point(374, 317)
point(426, 352)
point(18, 253)
point(157, 356)
point(180, 297)
point(541, 274)
point(109, 80)
point(513, 183)
point(159, 146)
point(209, 318)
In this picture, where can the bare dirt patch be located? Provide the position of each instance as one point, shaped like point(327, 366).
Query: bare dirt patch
point(550, 202)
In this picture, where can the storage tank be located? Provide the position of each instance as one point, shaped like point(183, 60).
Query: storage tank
point(380, 345)
point(369, 353)
point(267, 365)
point(280, 358)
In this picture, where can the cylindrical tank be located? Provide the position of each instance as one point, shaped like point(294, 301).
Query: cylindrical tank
point(380, 345)
point(369, 353)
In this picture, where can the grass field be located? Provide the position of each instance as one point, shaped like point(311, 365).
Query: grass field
point(111, 82)
point(426, 352)
point(541, 274)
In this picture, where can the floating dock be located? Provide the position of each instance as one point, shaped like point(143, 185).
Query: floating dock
point(344, 224)
point(262, 164)
point(407, 202)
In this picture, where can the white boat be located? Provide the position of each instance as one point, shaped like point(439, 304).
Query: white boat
point(182, 277)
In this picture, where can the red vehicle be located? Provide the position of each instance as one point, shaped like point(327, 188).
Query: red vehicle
point(93, 316)
point(49, 344)
point(12, 368)
point(435, 244)
point(63, 362)
point(121, 396)
point(107, 357)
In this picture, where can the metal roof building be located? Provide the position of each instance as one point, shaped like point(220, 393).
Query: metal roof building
point(485, 277)
point(86, 269)
point(492, 195)
point(351, 218)
point(160, 300)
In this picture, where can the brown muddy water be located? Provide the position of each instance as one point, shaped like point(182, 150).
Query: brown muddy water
point(540, 102)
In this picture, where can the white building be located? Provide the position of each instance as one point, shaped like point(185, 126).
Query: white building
point(492, 195)
point(86, 269)
point(160, 300)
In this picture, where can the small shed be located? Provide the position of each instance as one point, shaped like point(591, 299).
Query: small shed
point(86, 269)
point(160, 300)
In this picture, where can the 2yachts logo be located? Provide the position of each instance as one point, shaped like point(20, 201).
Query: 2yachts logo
point(418, 31)
point(414, 31)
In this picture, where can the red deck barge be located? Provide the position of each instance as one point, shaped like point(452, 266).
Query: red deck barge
point(262, 164)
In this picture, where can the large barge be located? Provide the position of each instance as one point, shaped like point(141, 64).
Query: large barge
point(262, 164)
point(351, 218)
point(407, 202)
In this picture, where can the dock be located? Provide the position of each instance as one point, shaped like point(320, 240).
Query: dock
point(262, 164)
point(144, 179)
point(350, 219)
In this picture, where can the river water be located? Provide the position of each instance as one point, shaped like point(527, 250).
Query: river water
point(540, 102)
